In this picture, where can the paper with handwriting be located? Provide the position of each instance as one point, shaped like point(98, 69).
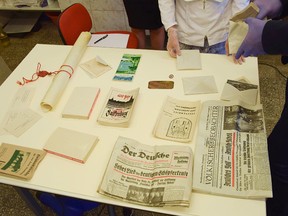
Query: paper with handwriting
point(20, 117)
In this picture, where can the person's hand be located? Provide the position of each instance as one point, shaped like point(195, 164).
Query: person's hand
point(173, 42)
point(252, 43)
point(236, 61)
point(268, 8)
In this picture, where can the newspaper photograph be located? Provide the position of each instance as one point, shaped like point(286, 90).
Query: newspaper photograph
point(149, 175)
point(20, 162)
point(231, 155)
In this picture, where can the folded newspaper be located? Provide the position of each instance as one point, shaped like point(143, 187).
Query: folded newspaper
point(19, 162)
point(149, 175)
point(231, 155)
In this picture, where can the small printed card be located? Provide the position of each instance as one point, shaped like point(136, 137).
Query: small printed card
point(127, 67)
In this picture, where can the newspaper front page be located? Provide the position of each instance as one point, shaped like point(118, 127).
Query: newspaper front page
point(149, 175)
point(231, 156)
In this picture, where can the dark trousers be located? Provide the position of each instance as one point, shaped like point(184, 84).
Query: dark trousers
point(278, 156)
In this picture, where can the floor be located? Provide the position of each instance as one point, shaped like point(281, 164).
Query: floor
point(272, 84)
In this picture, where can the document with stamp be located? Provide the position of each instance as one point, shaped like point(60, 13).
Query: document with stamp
point(177, 120)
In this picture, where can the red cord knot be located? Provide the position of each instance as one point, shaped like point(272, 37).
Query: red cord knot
point(43, 73)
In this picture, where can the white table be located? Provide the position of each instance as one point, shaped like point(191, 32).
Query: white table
point(62, 176)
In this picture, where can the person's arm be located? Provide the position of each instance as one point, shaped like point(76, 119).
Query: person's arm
point(167, 10)
point(284, 7)
point(266, 37)
point(275, 37)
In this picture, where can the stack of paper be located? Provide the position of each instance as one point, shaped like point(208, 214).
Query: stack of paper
point(71, 144)
point(81, 103)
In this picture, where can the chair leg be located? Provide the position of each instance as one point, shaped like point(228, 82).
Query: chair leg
point(26, 195)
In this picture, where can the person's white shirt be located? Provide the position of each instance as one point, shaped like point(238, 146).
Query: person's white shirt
point(196, 19)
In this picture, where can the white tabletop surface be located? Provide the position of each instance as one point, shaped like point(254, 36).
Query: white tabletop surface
point(62, 176)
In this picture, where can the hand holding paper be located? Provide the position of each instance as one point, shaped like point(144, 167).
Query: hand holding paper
point(252, 44)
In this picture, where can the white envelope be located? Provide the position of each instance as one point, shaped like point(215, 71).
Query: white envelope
point(96, 66)
point(189, 59)
point(245, 92)
point(199, 85)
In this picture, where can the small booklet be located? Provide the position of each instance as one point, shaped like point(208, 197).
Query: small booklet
point(19, 162)
point(251, 10)
point(118, 108)
point(71, 144)
point(81, 103)
point(127, 67)
point(177, 120)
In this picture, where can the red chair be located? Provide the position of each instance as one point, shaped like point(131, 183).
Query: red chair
point(76, 19)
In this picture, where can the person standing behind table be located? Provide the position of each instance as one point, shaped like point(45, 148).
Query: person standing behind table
point(271, 37)
point(198, 24)
point(142, 15)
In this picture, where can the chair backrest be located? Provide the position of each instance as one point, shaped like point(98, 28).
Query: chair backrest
point(72, 21)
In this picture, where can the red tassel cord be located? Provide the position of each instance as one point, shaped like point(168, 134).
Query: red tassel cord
point(42, 73)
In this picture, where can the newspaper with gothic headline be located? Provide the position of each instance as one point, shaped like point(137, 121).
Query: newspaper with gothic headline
point(149, 175)
point(231, 155)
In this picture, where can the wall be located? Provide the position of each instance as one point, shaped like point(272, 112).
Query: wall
point(106, 14)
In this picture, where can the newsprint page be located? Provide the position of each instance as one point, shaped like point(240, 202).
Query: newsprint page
point(231, 155)
point(149, 175)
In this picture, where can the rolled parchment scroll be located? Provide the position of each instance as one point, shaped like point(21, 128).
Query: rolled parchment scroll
point(61, 79)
